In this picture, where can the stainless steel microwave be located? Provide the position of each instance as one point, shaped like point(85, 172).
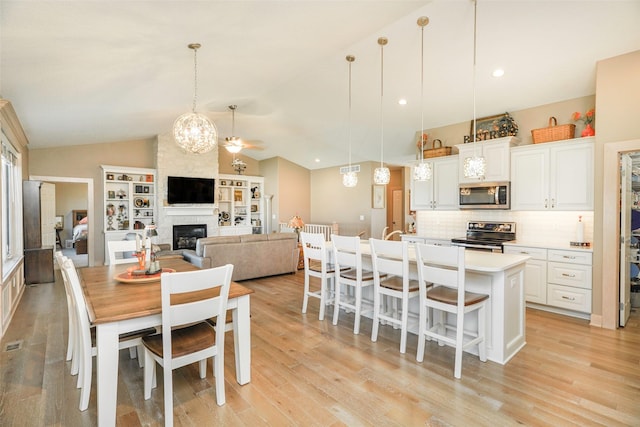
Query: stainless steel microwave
point(485, 195)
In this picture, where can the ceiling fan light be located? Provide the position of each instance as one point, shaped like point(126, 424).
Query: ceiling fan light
point(422, 172)
point(474, 167)
point(195, 133)
point(233, 144)
point(381, 176)
point(350, 179)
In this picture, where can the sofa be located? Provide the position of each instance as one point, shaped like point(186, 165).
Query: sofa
point(252, 255)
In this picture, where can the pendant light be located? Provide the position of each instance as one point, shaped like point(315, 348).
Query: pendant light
point(350, 178)
point(381, 175)
point(422, 171)
point(192, 131)
point(233, 143)
point(474, 167)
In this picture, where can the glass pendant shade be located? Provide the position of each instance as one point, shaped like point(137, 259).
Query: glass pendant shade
point(195, 133)
point(422, 172)
point(474, 167)
point(350, 179)
point(381, 176)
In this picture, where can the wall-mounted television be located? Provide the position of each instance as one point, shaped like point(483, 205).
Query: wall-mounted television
point(181, 189)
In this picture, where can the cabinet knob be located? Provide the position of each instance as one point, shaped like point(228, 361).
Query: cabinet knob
point(546, 203)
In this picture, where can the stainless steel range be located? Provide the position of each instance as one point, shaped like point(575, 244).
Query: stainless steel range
point(486, 235)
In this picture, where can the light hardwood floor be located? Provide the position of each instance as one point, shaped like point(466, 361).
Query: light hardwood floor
point(310, 373)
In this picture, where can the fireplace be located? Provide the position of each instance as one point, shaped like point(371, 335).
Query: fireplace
point(185, 236)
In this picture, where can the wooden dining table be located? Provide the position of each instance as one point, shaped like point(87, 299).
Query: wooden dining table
point(115, 308)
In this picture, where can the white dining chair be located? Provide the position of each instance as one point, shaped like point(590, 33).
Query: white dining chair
point(186, 309)
point(316, 264)
point(441, 272)
point(348, 255)
point(84, 346)
point(390, 260)
point(119, 248)
point(71, 316)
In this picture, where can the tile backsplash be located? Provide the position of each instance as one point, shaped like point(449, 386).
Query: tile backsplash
point(535, 227)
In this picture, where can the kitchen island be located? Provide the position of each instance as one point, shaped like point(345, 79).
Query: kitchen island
point(501, 276)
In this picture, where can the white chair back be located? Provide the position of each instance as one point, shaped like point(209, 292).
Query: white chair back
point(314, 248)
point(441, 266)
point(347, 252)
point(118, 247)
point(390, 257)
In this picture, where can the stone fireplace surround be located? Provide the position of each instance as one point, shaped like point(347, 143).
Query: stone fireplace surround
point(172, 161)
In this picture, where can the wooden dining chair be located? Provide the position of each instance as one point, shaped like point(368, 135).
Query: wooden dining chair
point(316, 264)
point(189, 300)
point(119, 248)
point(441, 272)
point(390, 261)
point(347, 257)
point(84, 346)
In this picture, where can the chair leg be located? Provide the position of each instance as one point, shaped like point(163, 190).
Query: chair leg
point(86, 366)
point(132, 352)
point(218, 371)
point(203, 367)
point(323, 296)
point(459, 342)
point(421, 329)
point(149, 374)
point(482, 345)
point(404, 325)
point(140, 353)
point(376, 315)
point(305, 298)
point(336, 307)
point(168, 394)
point(358, 304)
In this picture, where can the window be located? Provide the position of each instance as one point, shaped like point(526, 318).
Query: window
point(11, 206)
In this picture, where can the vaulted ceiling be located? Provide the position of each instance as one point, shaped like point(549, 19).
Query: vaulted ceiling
point(84, 72)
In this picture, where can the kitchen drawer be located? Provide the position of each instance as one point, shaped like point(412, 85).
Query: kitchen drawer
point(534, 253)
point(568, 297)
point(573, 257)
point(569, 274)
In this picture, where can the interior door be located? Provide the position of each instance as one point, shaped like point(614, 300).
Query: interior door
point(48, 214)
point(397, 218)
point(626, 205)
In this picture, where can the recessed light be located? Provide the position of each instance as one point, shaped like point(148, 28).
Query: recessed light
point(498, 72)
point(402, 101)
point(317, 160)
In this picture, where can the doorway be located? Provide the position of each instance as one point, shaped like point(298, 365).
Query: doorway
point(612, 231)
point(87, 195)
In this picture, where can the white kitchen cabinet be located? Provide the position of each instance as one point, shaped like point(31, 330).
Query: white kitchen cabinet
point(553, 176)
point(535, 276)
point(412, 238)
point(569, 277)
point(240, 204)
point(441, 191)
point(497, 156)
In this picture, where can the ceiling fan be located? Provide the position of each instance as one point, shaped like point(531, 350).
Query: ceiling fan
point(233, 143)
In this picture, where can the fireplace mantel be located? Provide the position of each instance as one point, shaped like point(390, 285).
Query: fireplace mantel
point(189, 210)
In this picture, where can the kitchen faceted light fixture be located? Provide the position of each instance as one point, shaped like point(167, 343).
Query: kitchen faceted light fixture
point(474, 167)
point(381, 175)
point(422, 171)
point(192, 131)
point(233, 143)
point(350, 178)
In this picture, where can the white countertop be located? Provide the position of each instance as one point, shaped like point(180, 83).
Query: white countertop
point(565, 246)
point(476, 261)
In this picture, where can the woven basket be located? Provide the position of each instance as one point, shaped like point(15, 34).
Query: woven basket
point(553, 132)
point(438, 151)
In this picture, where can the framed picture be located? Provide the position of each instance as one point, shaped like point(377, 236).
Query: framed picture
point(109, 177)
point(237, 196)
point(378, 197)
point(59, 222)
point(491, 127)
point(239, 183)
point(111, 194)
point(138, 188)
point(223, 182)
point(146, 189)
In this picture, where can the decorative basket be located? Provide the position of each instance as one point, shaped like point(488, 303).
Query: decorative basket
point(438, 151)
point(554, 132)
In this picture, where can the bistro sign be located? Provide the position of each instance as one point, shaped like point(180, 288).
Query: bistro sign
point(492, 127)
